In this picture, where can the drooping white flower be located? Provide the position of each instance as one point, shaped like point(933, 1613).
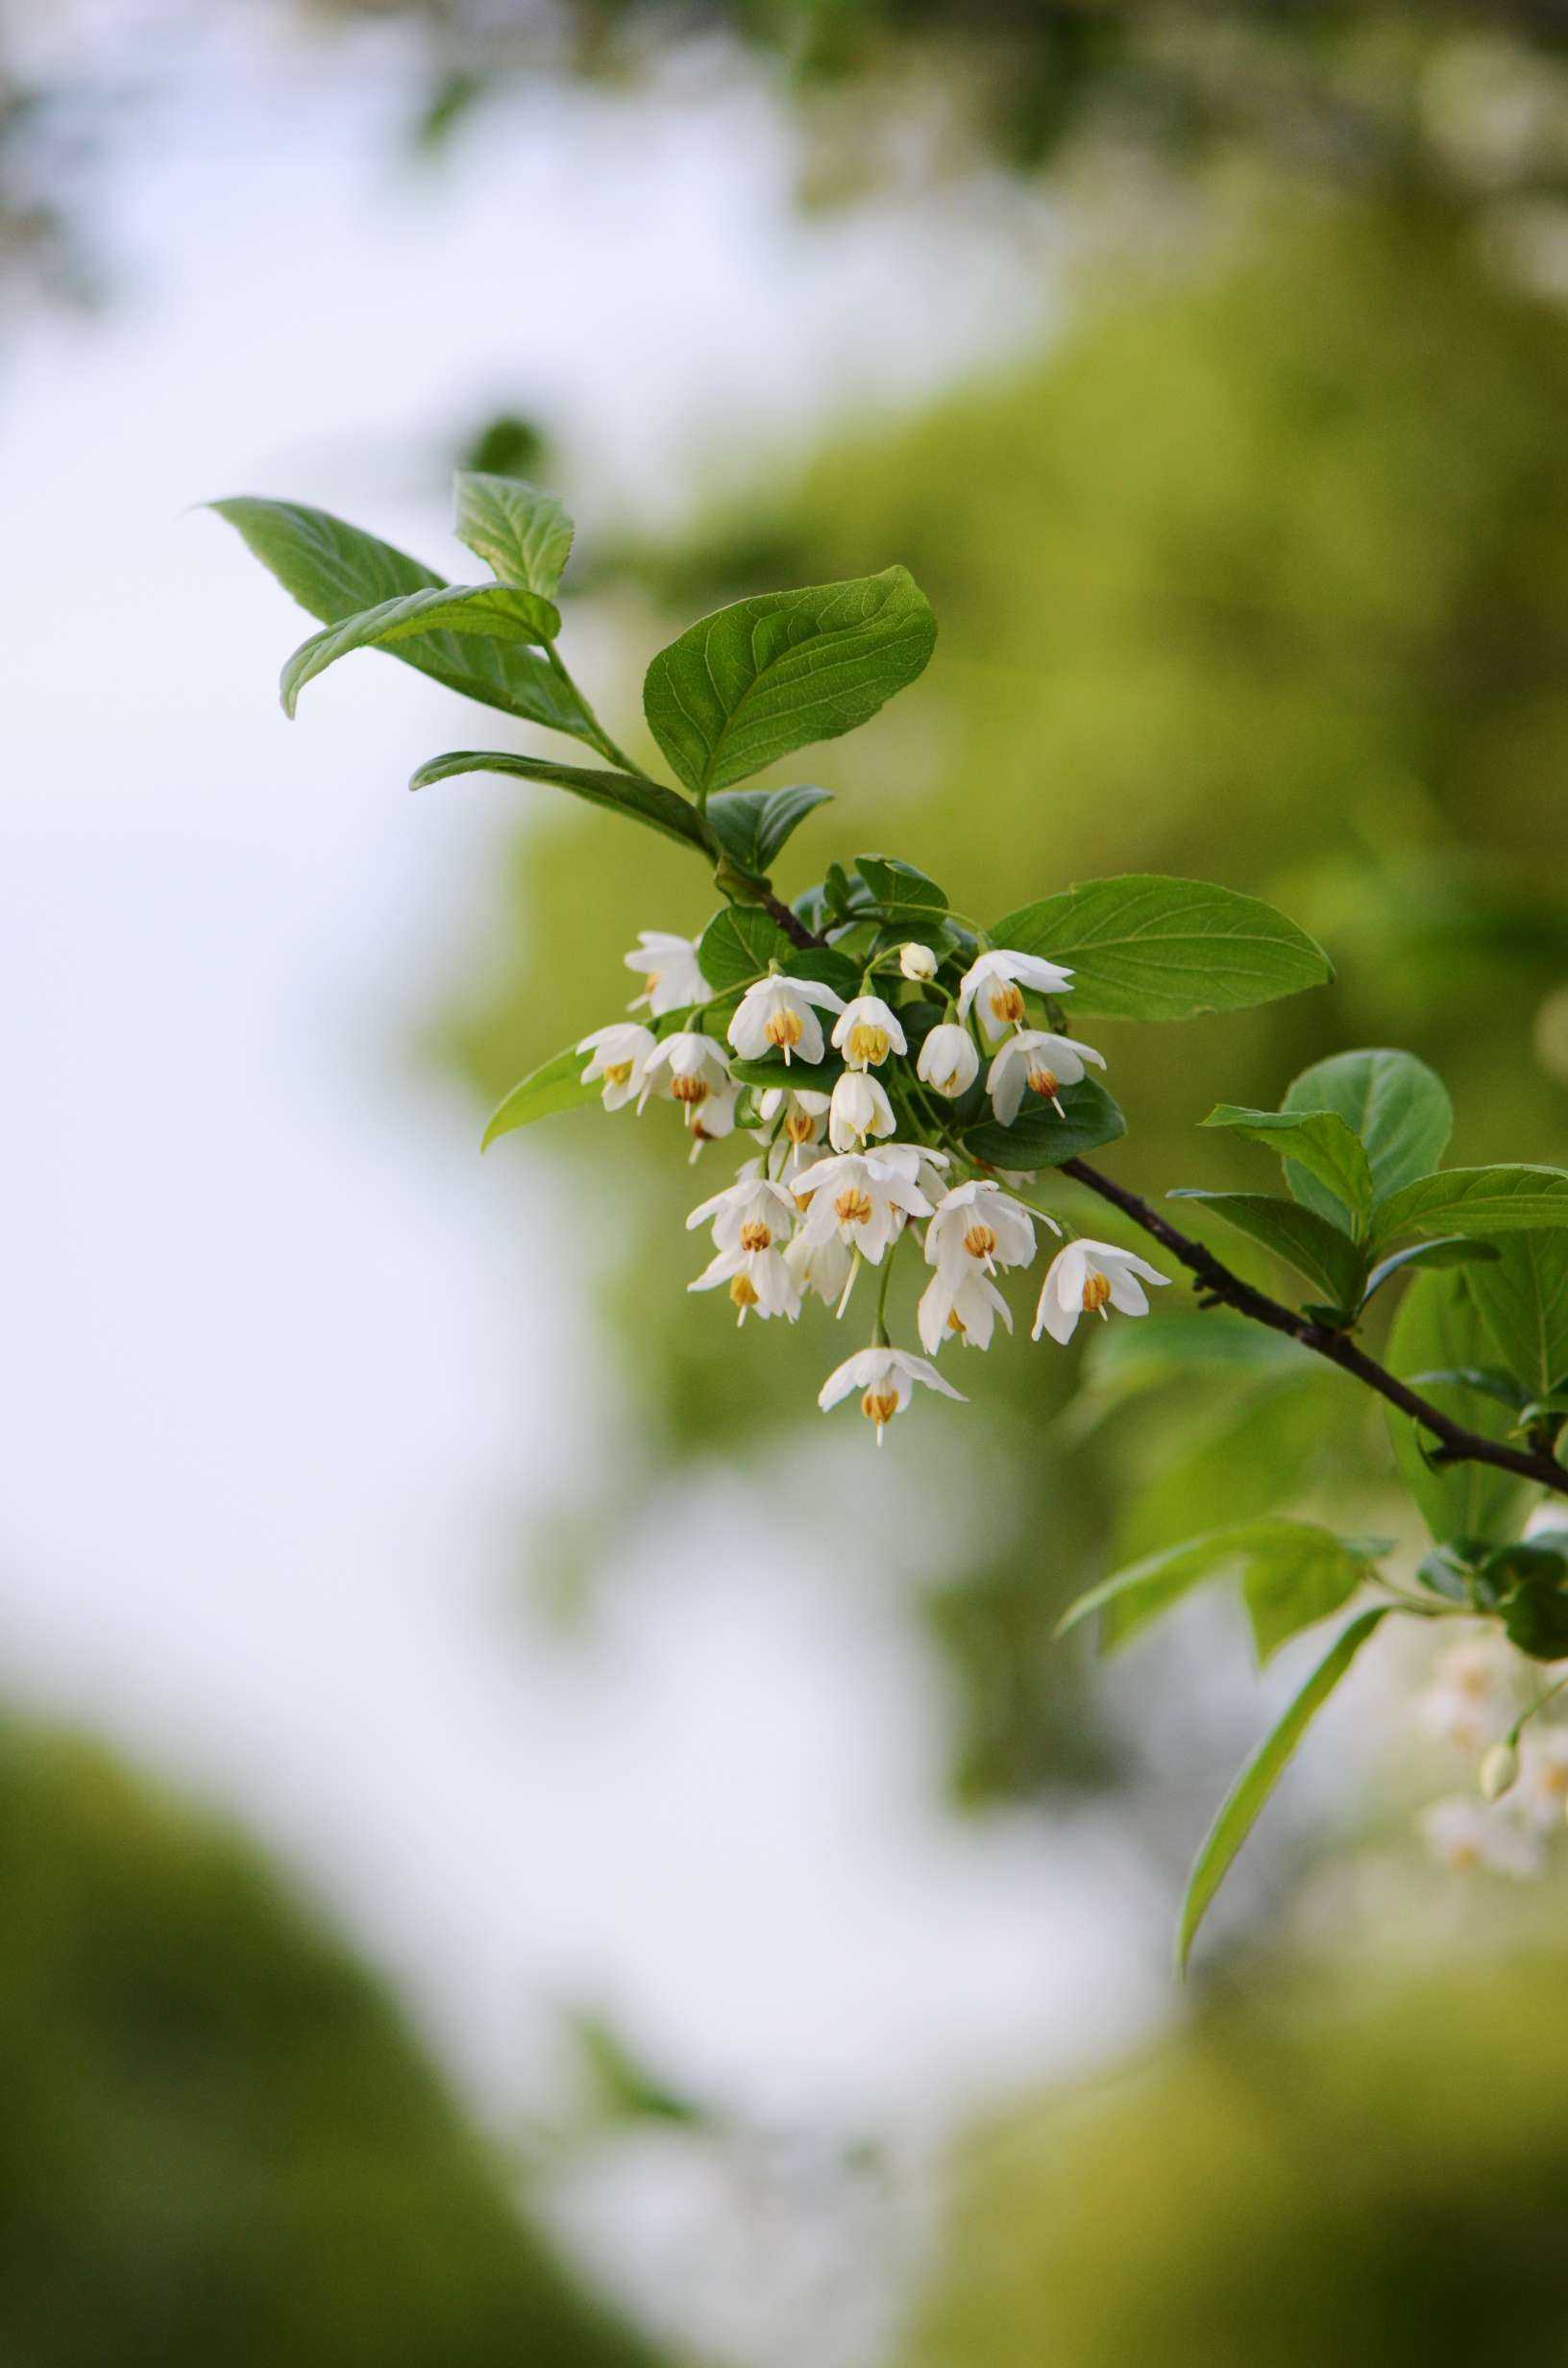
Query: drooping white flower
point(1469, 1700)
point(977, 1227)
point(758, 1280)
point(859, 1109)
point(1542, 1789)
point(960, 1307)
point(886, 1379)
point(1465, 1834)
point(692, 1070)
point(1044, 1063)
point(674, 974)
point(752, 1214)
point(777, 1014)
point(620, 1058)
point(949, 1060)
point(803, 1113)
point(866, 1030)
point(917, 962)
point(994, 983)
point(920, 1164)
point(822, 1266)
point(791, 1161)
point(1083, 1277)
point(863, 1198)
point(715, 1120)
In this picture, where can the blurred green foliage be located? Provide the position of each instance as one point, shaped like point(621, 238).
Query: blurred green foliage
point(1372, 2178)
point(219, 2143)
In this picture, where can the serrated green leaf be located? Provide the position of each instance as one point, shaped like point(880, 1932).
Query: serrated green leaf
point(1394, 1104)
point(1437, 1329)
point(755, 681)
point(1146, 948)
point(557, 1085)
point(1244, 1802)
point(752, 824)
point(1317, 1140)
point(1292, 1572)
point(492, 611)
point(898, 890)
point(738, 944)
point(1450, 1249)
point(1523, 1299)
point(1039, 1138)
point(662, 809)
point(1475, 1201)
point(335, 569)
point(524, 536)
point(1329, 1259)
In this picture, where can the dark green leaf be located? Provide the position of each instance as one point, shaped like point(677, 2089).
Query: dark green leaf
point(523, 534)
point(828, 967)
point(556, 1085)
point(1039, 1138)
point(1146, 948)
point(1329, 1259)
point(1452, 1250)
point(1523, 1298)
point(1437, 1330)
point(1475, 1201)
point(1317, 1140)
point(1242, 1805)
point(802, 1077)
point(739, 944)
point(1391, 1101)
point(898, 891)
point(755, 681)
point(623, 793)
point(752, 824)
point(492, 611)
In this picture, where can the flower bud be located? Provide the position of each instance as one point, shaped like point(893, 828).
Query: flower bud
point(1498, 1770)
point(917, 962)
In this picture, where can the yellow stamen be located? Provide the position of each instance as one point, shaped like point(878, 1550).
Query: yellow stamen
point(1045, 1082)
point(743, 1294)
point(867, 1042)
point(1096, 1292)
point(799, 1126)
point(1007, 1003)
point(618, 1073)
point(1553, 1779)
point(853, 1206)
point(955, 1321)
point(879, 1406)
point(802, 1201)
point(950, 1084)
point(692, 1091)
point(784, 1028)
point(754, 1234)
point(980, 1241)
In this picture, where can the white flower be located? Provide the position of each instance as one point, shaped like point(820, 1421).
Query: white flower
point(692, 1070)
point(1082, 1277)
point(752, 1214)
point(620, 1057)
point(757, 1278)
point(1040, 1061)
point(919, 1164)
point(1464, 1834)
point(963, 1305)
point(715, 1120)
point(819, 1266)
point(859, 1109)
point(949, 1060)
point(1469, 1701)
point(866, 1030)
point(803, 1113)
point(917, 962)
point(1542, 1789)
point(994, 984)
point(776, 1015)
point(886, 1379)
point(790, 1162)
point(976, 1227)
point(673, 974)
point(864, 1196)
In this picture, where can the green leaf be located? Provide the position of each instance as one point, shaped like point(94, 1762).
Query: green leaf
point(1393, 1103)
point(753, 682)
point(1292, 1573)
point(495, 612)
point(802, 1077)
point(829, 968)
point(1329, 1259)
point(1475, 1201)
point(523, 534)
point(1244, 1802)
point(1146, 948)
point(624, 793)
point(738, 944)
point(1317, 1140)
point(1523, 1299)
point(556, 1086)
point(1449, 1249)
point(1039, 1138)
point(898, 891)
point(752, 824)
point(1437, 1329)
point(335, 569)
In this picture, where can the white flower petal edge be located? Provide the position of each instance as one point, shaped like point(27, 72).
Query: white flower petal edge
point(866, 1030)
point(675, 976)
point(1083, 1277)
point(758, 1280)
point(886, 1379)
point(1035, 1058)
point(978, 1227)
point(777, 1014)
point(994, 984)
point(858, 1110)
point(621, 1056)
point(960, 1307)
point(752, 1214)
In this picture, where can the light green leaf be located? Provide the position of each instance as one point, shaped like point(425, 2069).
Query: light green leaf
point(556, 1086)
point(662, 809)
point(898, 891)
point(1393, 1103)
point(1039, 1138)
point(335, 569)
point(495, 612)
point(1449, 1249)
point(752, 824)
point(1242, 1805)
point(524, 536)
point(1329, 1259)
point(1437, 1329)
point(1475, 1201)
point(738, 944)
point(1317, 1140)
point(753, 681)
point(1523, 1299)
point(1292, 1573)
point(1146, 948)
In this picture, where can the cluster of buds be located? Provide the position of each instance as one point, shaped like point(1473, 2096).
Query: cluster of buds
point(1472, 1704)
point(840, 1178)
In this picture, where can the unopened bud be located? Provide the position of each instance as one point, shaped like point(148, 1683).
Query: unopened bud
point(917, 962)
point(1498, 1770)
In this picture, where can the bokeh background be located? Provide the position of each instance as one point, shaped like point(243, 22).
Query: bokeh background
point(517, 1843)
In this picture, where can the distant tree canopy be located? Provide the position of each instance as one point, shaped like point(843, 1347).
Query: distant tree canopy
point(219, 2143)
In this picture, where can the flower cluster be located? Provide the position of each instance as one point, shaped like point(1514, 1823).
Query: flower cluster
point(1484, 1700)
point(842, 1178)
